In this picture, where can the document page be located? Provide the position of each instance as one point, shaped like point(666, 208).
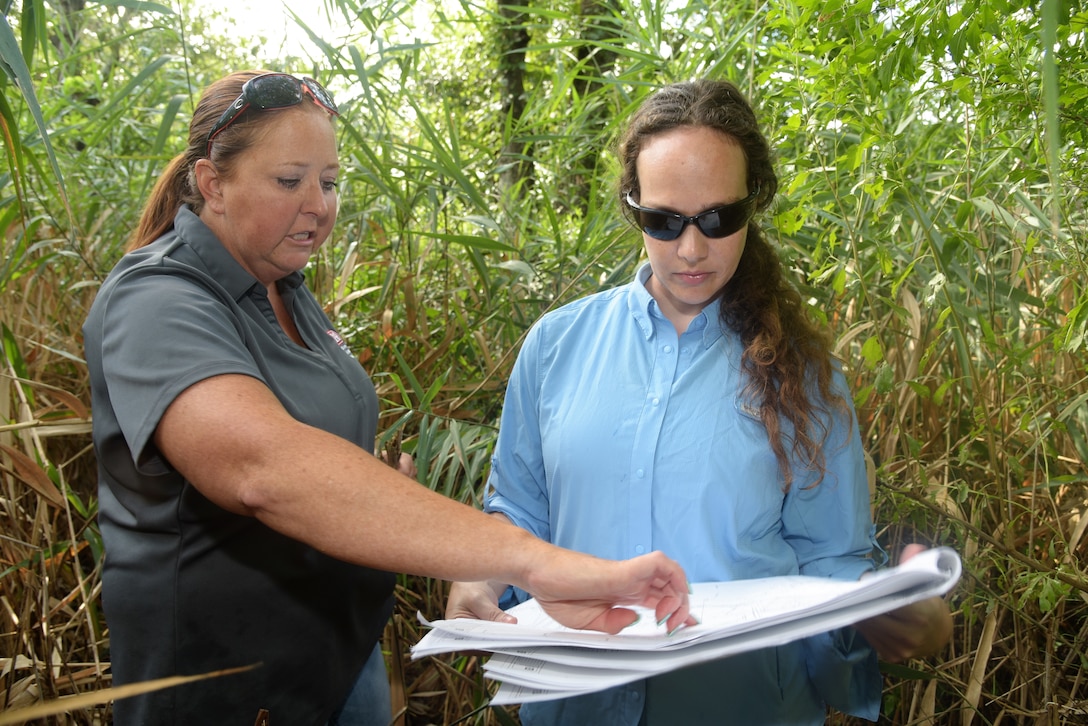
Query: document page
point(537, 659)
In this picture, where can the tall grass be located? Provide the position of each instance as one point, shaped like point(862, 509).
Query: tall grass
point(931, 209)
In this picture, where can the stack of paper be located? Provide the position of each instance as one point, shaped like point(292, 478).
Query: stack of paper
point(537, 659)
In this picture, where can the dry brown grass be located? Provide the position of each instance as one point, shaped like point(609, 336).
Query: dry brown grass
point(965, 472)
point(1018, 654)
point(977, 420)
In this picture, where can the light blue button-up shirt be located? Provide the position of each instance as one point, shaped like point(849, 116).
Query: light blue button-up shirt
point(620, 437)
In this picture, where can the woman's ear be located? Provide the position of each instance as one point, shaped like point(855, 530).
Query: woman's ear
point(209, 184)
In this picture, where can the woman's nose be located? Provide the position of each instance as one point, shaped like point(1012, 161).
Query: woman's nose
point(316, 201)
point(692, 244)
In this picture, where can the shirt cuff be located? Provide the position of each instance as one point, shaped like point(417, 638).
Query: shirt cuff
point(844, 669)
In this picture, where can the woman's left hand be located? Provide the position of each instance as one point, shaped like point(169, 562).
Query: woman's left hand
point(913, 631)
point(407, 466)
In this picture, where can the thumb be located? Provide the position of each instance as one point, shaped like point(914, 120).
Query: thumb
point(480, 611)
point(500, 616)
point(910, 551)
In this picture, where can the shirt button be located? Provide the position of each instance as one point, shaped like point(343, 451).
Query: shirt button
point(668, 348)
point(640, 473)
point(639, 549)
point(656, 401)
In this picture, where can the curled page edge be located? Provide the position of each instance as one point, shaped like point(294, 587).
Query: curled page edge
point(942, 561)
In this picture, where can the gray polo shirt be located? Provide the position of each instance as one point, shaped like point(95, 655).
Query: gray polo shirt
point(188, 587)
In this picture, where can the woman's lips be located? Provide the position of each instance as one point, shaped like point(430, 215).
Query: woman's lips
point(692, 278)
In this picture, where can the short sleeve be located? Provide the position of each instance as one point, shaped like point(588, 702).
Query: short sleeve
point(145, 368)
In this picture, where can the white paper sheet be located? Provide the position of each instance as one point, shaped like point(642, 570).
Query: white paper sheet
point(538, 659)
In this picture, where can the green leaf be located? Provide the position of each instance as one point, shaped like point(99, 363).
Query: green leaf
point(872, 352)
point(16, 69)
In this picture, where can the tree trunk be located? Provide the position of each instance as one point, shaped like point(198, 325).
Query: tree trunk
point(513, 38)
point(597, 16)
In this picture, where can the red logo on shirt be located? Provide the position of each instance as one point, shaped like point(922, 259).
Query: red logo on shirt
point(338, 340)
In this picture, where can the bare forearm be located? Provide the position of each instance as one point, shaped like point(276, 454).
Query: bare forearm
point(369, 514)
point(326, 491)
point(233, 440)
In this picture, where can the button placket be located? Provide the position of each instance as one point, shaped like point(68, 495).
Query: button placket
point(647, 435)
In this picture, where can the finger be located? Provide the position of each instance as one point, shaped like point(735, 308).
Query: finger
point(674, 612)
point(680, 618)
point(407, 465)
point(910, 551)
point(614, 620)
point(672, 605)
point(477, 610)
point(667, 609)
point(664, 577)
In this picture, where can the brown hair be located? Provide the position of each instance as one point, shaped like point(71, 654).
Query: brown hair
point(784, 350)
point(177, 184)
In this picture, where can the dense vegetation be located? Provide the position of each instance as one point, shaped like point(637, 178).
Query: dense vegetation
point(933, 158)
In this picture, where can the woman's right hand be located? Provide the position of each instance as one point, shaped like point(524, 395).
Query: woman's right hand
point(477, 600)
point(588, 593)
point(581, 591)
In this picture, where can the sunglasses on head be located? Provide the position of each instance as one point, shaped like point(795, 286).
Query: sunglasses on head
point(269, 91)
point(715, 223)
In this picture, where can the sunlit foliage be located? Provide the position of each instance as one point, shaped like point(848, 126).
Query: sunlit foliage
point(932, 157)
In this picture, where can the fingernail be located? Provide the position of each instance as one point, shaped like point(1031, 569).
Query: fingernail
point(637, 618)
point(663, 620)
point(681, 626)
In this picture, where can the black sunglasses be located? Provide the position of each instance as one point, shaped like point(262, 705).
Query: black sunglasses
point(272, 90)
point(715, 223)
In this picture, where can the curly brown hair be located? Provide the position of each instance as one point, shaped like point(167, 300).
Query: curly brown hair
point(787, 356)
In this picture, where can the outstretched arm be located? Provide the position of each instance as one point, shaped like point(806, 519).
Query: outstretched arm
point(232, 439)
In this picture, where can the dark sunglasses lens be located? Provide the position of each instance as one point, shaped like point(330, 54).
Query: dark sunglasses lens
point(724, 221)
point(323, 97)
point(710, 224)
point(271, 91)
point(660, 226)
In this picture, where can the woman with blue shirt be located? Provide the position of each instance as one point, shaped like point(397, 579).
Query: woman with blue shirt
point(697, 410)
